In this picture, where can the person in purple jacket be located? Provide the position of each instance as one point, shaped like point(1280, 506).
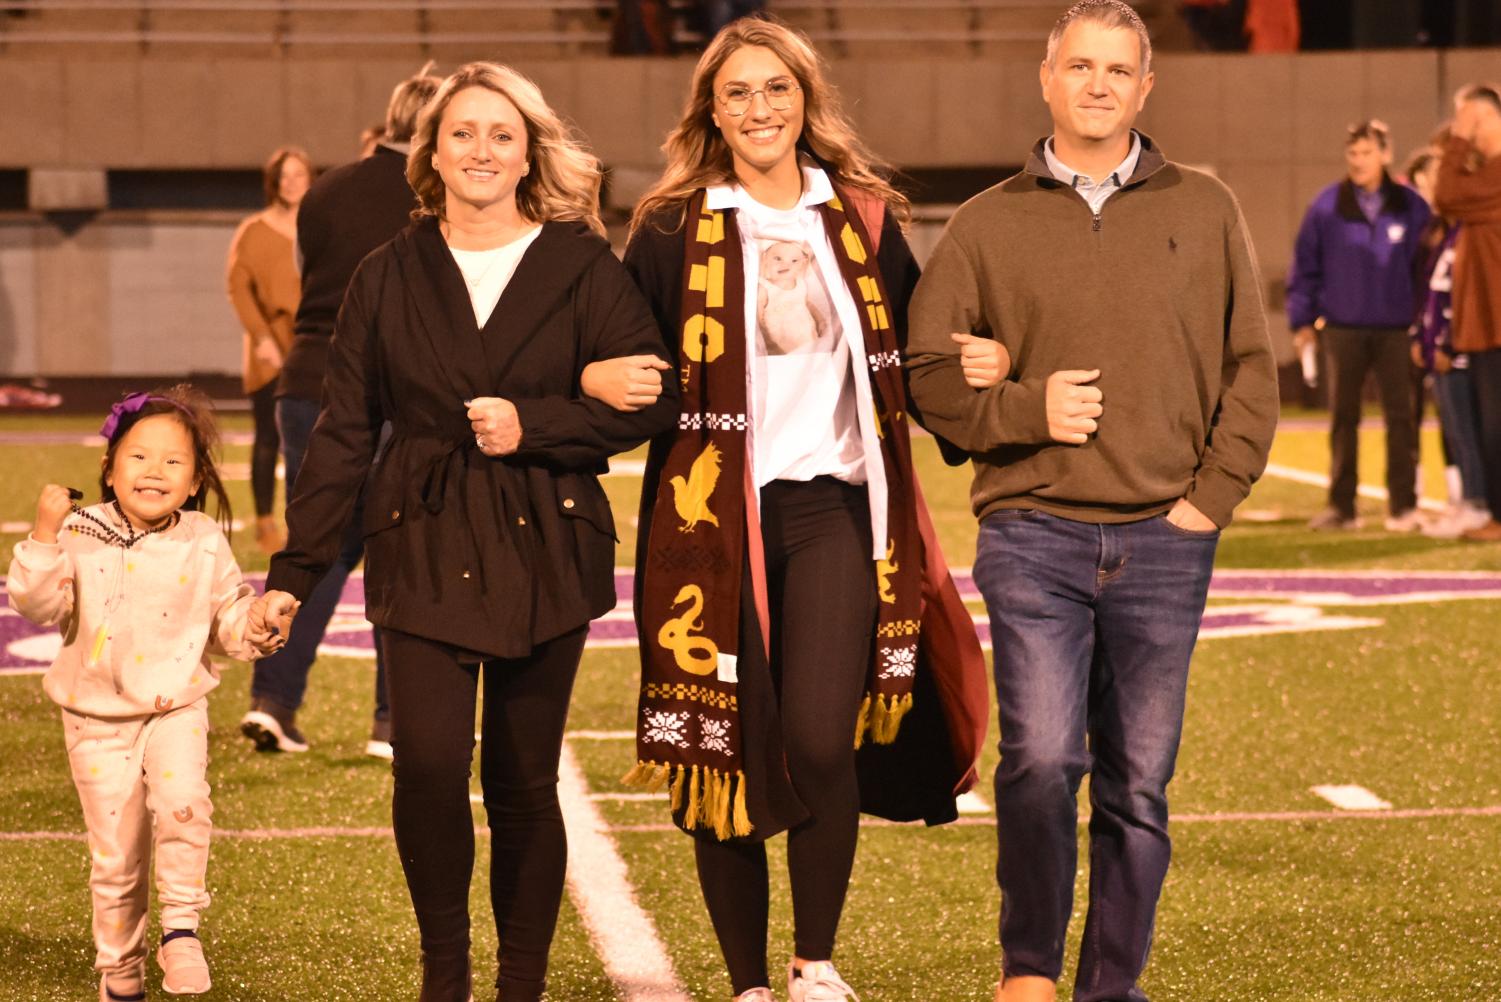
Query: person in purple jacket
point(1351, 276)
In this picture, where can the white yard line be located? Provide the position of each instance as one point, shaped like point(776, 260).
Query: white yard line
point(622, 932)
point(1220, 817)
point(1351, 798)
point(601, 735)
point(1321, 480)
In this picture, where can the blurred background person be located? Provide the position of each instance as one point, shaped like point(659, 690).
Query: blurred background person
point(1352, 269)
point(1469, 191)
point(264, 289)
point(1433, 354)
point(352, 210)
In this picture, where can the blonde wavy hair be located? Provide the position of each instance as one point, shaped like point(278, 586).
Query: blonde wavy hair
point(565, 177)
point(698, 157)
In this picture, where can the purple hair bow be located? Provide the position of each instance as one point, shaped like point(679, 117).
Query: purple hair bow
point(131, 403)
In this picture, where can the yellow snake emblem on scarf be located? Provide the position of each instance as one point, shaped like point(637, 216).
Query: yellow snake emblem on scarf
point(674, 635)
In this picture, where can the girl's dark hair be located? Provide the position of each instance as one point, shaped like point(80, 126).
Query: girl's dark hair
point(195, 412)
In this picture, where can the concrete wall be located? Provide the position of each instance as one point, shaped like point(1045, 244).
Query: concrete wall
point(122, 291)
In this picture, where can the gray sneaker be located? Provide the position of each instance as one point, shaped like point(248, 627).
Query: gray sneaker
point(272, 727)
point(379, 745)
point(1333, 520)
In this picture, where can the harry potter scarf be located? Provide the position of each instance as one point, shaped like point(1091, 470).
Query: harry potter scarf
point(688, 731)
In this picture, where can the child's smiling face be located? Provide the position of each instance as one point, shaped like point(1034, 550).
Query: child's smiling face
point(153, 473)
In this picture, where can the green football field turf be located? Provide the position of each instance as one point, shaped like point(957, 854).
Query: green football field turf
point(1273, 893)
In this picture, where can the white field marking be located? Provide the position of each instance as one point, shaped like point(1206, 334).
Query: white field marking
point(1321, 480)
point(627, 798)
point(1282, 618)
point(15, 526)
point(622, 933)
point(600, 735)
point(627, 468)
point(1221, 817)
point(972, 803)
point(1351, 798)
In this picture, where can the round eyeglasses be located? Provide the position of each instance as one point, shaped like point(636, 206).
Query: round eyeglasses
point(780, 93)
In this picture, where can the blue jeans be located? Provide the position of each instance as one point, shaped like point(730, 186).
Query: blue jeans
point(282, 677)
point(1093, 627)
point(1454, 392)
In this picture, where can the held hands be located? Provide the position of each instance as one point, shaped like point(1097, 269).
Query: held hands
point(1188, 518)
point(52, 508)
point(270, 621)
point(1303, 337)
point(985, 362)
point(628, 383)
point(1073, 408)
point(497, 426)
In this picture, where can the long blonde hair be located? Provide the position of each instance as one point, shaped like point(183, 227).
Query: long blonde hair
point(565, 177)
point(698, 157)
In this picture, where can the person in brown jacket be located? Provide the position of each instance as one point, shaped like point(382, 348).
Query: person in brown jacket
point(1139, 409)
point(264, 288)
point(1469, 191)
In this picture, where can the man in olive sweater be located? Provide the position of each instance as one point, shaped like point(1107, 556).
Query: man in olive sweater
point(1139, 411)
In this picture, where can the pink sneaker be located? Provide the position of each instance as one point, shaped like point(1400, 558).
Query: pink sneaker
point(184, 971)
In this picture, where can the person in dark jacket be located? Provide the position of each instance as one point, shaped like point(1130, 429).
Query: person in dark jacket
point(1357, 250)
point(489, 540)
point(349, 211)
point(790, 599)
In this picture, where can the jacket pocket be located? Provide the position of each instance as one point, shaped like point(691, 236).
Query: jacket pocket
point(385, 505)
point(580, 496)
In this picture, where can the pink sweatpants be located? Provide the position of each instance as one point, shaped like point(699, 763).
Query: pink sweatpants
point(131, 772)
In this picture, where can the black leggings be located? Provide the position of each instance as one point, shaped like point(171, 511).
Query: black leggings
point(822, 596)
point(265, 448)
point(432, 699)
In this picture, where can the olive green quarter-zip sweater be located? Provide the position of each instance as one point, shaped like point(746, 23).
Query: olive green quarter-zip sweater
point(1159, 291)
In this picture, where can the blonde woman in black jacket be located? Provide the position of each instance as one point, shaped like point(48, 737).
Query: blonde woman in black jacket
point(489, 541)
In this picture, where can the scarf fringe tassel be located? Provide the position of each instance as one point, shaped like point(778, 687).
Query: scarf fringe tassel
point(881, 717)
point(713, 799)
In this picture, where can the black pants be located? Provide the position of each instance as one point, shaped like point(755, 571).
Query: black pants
point(264, 449)
point(432, 731)
point(1349, 353)
point(822, 596)
point(1485, 374)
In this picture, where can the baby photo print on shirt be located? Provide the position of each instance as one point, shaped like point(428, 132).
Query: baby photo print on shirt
point(794, 312)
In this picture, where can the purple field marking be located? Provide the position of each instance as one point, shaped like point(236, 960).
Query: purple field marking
point(1305, 590)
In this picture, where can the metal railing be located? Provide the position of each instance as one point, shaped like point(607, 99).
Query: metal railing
point(835, 22)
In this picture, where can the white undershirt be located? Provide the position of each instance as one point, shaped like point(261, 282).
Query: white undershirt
point(808, 382)
point(488, 272)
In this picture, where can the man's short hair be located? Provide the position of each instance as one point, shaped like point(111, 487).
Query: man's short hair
point(1489, 93)
point(1372, 129)
point(1111, 14)
point(407, 102)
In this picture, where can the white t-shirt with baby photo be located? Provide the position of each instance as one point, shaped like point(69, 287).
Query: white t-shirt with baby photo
point(811, 412)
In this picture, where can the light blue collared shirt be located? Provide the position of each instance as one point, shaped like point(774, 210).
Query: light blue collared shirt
point(1095, 193)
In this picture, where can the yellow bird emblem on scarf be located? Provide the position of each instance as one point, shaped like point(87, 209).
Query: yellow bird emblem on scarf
point(691, 496)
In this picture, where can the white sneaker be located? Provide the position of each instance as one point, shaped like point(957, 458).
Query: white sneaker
point(1410, 520)
point(818, 982)
point(756, 995)
point(1472, 515)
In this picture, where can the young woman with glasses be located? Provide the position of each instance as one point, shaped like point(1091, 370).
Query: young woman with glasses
point(780, 561)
